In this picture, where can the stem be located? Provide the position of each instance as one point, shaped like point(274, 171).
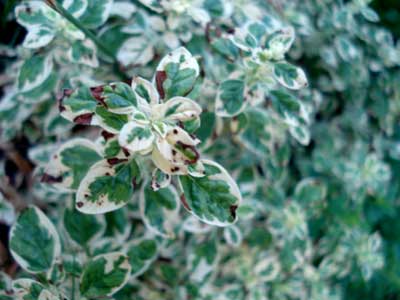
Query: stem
point(63, 12)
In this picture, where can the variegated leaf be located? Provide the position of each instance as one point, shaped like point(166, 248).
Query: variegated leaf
point(290, 76)
point(159, 179)
point(82, 228)
point(213, 198)
point(136, 137)
point(176, 74)
point(34, 72)
point(180, 109)
point(104, 275)
point(159, 209)
point(71, 162)
point(142, 252)
point(34, 241)
point(96, 13)
point(136, 51)
point(37, 18)
point(26, 289)
point(107, 186)
point(230, 99)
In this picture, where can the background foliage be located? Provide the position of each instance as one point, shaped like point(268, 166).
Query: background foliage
point(294, 103)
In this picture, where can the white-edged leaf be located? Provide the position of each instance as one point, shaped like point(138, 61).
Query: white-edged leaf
point(71, 162)
point(159, 209)
point(290, 76)
point(180, 109)
point(34, 71)
point(34, 241)
point(136, 137)
point(104, 275)
point(230, 99)
point(7, 212)
point(142, 252)
point(213, 198)
point(135, 51)
point(107, 187)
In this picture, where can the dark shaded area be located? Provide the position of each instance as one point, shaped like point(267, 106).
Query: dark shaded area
point(389, 12)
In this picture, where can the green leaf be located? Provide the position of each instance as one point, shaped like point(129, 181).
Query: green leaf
point(213, 198)
point(176, 74)
point(104, 275)
point(81, 228)
point(107, 187)
point(108, 120)
point(256, 134)
point(159, 209)
point(34, 241)
point(226, 48)
point(141, 253)
point(84, 53)
point(290, 76)
point(96, 13)
point(119, 96)
point(230, 99)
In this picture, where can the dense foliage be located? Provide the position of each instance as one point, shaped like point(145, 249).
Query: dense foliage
point(199, 149)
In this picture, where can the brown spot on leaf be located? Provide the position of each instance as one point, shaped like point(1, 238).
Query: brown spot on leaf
point(185, 204)
point(97, 93)
point(79, 204)
point(233, 209)
point(126, 151)
point(84, 119)
point(47, 178)
point(160, 78)
point(115, 160)
point(107, 135)
point(134, 182)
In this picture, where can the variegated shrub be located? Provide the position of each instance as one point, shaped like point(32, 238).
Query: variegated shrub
point(199, 149)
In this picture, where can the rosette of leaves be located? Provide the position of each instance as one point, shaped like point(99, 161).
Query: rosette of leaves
point(145, 119)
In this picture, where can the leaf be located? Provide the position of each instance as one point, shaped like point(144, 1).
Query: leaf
point(281, 40)
point(7, 212)
point(75, 7)
point(82, 228)
point(106, 106)
point(84, 52)
point(119, 98)
point(34, 71)
point(136, 51)
point(96, 13)
point(255, 135)
point(34, 241)
point(28, 289)
point(104, 275)
point(107, 186)
point(290, 76)
point(213, 198)
point(37, 18)
point(202, 260)
point(180, 109)
point(71, 163)
point(233, 236)
point(230, 99)
point(136, 137)
point(159, 179)
point(142, 252)
point(176, 74)
point(226, 48)
point(159, 209)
